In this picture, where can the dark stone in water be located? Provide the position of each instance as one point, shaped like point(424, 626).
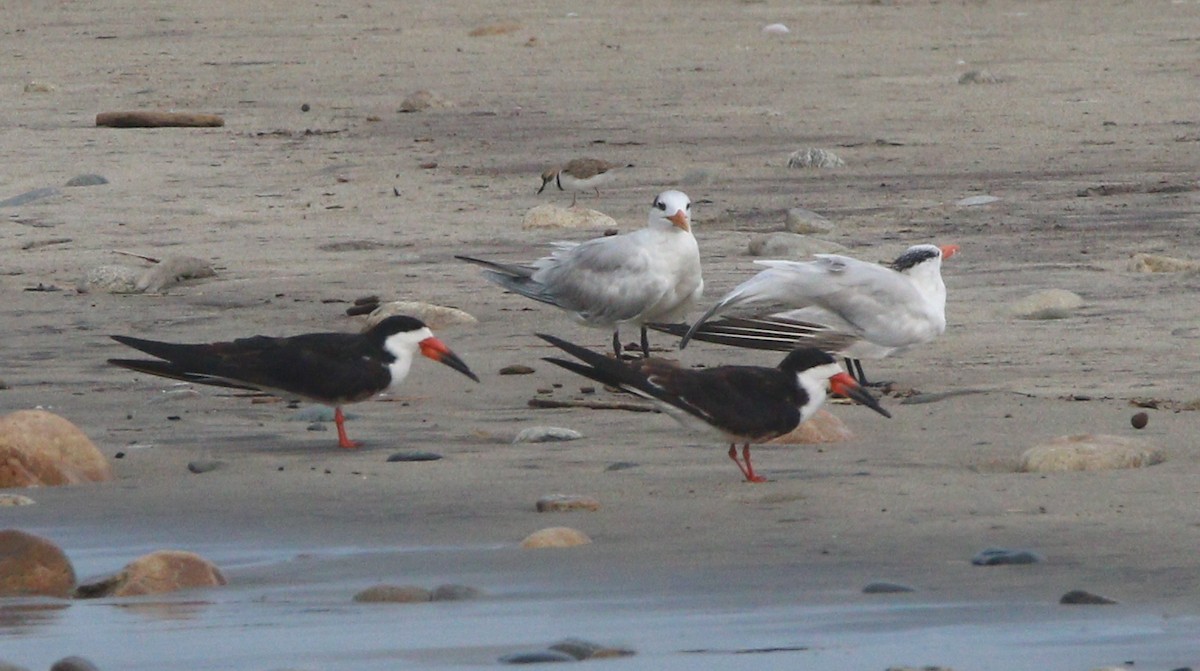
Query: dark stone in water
point(537, 657)
point(581, 649)
point(456, 593)
point(414, 455)
point(5, 666)
point(884, 587)
point(29, 196)
point(87, 180)
point(1001, 556)
point(1078, 597)
point(74, 663)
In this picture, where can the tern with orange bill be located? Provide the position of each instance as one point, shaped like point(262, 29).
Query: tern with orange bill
point(837, 303)
point(648, 275)
point(333, 369)
point(742, 404)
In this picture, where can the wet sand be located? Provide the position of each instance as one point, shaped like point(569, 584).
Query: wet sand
point(301, 212)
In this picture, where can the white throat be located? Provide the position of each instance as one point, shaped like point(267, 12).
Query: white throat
point(403, 346)
point(815, 382)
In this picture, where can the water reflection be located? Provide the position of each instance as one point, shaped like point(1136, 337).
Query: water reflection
point(17, 619)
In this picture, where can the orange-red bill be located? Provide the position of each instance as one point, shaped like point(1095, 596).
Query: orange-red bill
point(436, 349)
point(844, 385)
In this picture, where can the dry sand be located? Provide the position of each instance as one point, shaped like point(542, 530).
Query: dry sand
point(303, 211)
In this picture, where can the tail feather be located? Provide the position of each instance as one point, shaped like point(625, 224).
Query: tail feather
point(600, 368)
point(513, 277)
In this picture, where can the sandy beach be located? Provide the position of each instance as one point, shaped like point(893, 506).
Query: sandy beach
point(318, 190)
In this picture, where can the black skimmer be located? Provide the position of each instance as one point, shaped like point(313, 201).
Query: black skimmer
point(837, 303)
point(580, 174)
point(744, 404)
point(649, 275)
point(329, 368)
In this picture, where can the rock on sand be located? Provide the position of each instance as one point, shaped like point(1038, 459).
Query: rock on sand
point(1090, 452)
point(39, 448)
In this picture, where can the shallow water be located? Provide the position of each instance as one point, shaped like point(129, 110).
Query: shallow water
point(291, 608)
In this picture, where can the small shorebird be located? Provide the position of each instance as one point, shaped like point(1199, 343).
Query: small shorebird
point(329, 368)
point(837, 303)
point(649, 275)
point(581, 174)
point(744, 404)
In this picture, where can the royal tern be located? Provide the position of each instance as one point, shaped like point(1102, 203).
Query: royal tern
point(329, 368)
point(581, 174)
point(649, 275)
point(744, 404)
point(837, 303)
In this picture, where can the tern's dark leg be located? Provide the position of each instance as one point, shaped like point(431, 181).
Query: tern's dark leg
point(645, 344)
point(617, 342)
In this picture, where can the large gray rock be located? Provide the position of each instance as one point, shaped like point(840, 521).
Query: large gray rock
point(1048, 304)
point(436, 317)
point(549, 215)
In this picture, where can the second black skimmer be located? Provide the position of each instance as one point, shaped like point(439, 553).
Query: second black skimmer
point(329, 368)
point(837, 303)
point(649, 275)
point(744, 404)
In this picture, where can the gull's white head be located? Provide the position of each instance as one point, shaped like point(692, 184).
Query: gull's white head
point(672, 208)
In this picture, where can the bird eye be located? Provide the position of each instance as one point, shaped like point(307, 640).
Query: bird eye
point(660, 205)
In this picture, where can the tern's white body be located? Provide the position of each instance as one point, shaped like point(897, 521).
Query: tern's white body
point(864, 310)
point(648, 275)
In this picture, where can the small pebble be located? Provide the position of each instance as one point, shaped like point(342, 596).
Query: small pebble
point(814, 158)
point(414, 455)
point(456, 593)
point(581, 649)
point(1079, 597)
point(393, 594)
point(204, 465)
point(556, 503)
point(305, 107)
point(621, 466)
point(546, 434)
point(74, 663)
point(1002, 556)
point(974, 201)
point(1139, 420)
point(517, 369)
point(317, 426)
point(883, 587)
point(15, 500)
point(87, 180)
point(555, 537)
point(536, 657)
